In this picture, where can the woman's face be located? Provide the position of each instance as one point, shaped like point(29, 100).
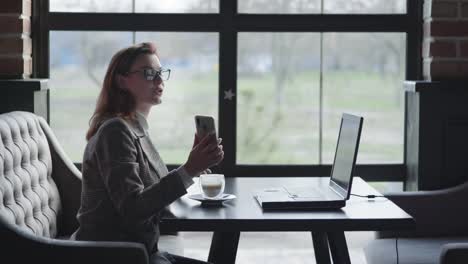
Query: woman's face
point(146, 93)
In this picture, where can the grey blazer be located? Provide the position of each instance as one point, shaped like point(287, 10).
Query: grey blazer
point(126, 186)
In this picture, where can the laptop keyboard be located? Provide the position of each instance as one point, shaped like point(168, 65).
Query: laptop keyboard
point(304, 192)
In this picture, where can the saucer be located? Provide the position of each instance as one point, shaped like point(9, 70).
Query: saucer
point(199, 197)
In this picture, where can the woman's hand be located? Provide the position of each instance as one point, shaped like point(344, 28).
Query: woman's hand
point(207, 171)
point(206, 153)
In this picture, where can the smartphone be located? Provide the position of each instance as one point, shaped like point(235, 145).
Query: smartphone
point(205, 125)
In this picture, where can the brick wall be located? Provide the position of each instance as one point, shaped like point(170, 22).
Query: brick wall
point(445, 42)
point(15, 39)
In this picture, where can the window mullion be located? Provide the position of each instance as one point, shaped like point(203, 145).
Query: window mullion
point(133, 32)
point(227, 83)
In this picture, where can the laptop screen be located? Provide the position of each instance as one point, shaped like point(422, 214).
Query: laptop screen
point(346, 153)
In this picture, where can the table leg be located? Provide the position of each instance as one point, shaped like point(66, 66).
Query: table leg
point(338, 247)
point(223, 248)
point(320, 241)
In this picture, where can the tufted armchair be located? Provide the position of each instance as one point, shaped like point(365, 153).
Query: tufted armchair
point(40, 192)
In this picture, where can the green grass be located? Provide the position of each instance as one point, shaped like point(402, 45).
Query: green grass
point(267, 133)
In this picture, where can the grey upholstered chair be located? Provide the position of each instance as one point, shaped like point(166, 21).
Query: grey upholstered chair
point(441, 234)
point(39, 197)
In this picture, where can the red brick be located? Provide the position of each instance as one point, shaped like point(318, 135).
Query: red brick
point(443, 49)
point(15, 66)
point(16, 6)
point(11, 24)
point(449, 28)
point(444, 9)
point(464, 49)
point(443, 70)
point(447, 70)
point(15, 45)
point(14, 24)
point(464, 69)
point(11, 45)
point(464, 9)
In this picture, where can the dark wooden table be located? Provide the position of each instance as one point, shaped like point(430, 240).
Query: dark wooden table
point(245, 215)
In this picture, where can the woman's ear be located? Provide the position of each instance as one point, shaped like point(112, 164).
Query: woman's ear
point(121, 81)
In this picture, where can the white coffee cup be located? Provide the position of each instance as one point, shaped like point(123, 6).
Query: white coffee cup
point(212, 185)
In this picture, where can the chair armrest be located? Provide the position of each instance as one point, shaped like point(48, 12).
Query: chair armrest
point(437, 213)
point(25, 247)
point(454, 253)
point(46, 250)
point(93, 252)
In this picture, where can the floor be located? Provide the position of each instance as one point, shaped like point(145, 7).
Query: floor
point(276, 247)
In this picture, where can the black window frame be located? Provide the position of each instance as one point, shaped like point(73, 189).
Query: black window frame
point(228, 23)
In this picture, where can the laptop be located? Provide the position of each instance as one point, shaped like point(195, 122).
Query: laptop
point(322, 193)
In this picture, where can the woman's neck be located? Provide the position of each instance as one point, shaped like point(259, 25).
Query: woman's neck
point(144, 110)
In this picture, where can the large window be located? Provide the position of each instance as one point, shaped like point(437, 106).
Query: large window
point(290, 98)
point(292, 66)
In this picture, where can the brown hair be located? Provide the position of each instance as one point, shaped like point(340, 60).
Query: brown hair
point(113, 100)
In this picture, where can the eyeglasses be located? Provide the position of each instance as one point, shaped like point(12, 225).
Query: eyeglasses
point(150, 74)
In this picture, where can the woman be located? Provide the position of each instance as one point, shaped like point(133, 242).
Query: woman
point(126, 185)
